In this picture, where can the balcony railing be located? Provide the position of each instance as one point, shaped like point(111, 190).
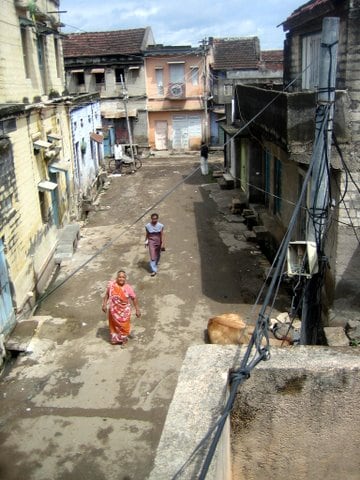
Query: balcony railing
point(176, 91)
point(290, 118)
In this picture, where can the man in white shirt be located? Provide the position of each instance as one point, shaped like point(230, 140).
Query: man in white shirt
point(118, 154)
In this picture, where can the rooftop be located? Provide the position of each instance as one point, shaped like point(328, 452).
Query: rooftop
point(117, 42)
point(307, 11)
point(273, 59)
point(236, 53)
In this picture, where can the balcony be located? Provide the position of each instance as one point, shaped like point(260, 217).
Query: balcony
point(290, 119)
point(176, 91)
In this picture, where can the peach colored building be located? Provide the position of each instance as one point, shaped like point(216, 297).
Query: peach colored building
point(176, 97)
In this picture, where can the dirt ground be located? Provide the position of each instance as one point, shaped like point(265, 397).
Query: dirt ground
point(75, 406)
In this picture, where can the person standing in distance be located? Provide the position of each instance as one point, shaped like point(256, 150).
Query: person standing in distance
point(155, 240)
point(204, 153)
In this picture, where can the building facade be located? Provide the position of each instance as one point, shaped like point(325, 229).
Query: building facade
point(176, 97)
point(236, 61)
point(88, 152)
point(36, 187)
point(112, 65)
point(272, 157)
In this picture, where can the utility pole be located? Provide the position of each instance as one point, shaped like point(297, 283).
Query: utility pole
point(319, 195)
point(204, 44)
point(125, 99)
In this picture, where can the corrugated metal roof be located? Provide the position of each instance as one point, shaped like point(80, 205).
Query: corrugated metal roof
point(90, 44)
point(236, 53)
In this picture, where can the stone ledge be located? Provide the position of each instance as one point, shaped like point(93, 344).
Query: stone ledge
point(202, 388)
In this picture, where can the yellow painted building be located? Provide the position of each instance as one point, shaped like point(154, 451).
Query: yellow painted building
point(36, 173)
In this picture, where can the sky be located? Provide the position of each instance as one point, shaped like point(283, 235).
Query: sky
point(183, 22)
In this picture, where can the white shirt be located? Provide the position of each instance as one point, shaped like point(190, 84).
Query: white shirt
point(118, 151)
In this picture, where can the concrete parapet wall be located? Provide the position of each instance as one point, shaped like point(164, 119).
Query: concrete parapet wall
point(296, 416)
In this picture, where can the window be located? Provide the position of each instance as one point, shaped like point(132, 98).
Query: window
point(79, 78)
point(43, 207)
point(159, 75)
point(99, 77)
point(310, 61)
point(7, 126)
point(267, 165)
point(194, 74)
point(177, 72)
point(24, 44)
point(119, 75)
point(277, 186)
point(228, 90)
point(57, 57)
point(41, 50)
point(133, 74)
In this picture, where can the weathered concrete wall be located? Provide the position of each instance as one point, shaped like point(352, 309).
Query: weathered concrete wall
point(19, 54)
point(30, 238)
point(296, 416)
point(86, 119)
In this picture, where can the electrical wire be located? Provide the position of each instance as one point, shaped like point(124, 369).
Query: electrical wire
point(111, 242)
point(239, 375)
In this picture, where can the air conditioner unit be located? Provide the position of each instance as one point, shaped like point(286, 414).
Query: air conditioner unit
point(302, 259)
point(176, 90)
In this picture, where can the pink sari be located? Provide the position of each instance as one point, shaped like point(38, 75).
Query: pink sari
point(119, 311)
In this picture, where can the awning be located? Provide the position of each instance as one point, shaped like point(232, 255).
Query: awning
point(118, 113)
point(42, 144)
point(25, 22)
point(97, 137)
point(229, 129)
point(219, 110)
point(134, 68)
point(97, 70)
point(46, 186)
point(58, 167)
point(54, 136)
point(78, 70)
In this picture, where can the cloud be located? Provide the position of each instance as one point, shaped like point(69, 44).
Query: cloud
point(185, 21)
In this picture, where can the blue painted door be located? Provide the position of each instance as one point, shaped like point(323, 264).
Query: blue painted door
point(7, 315)
point(55, 199)
point(109, 142)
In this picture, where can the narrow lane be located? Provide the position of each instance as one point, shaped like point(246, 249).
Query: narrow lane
point(78, 407)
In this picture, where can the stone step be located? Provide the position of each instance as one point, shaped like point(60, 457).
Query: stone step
point(336, 337)
point(224, 185)
point(227, 177)
point(260, 231)
point(250, 236)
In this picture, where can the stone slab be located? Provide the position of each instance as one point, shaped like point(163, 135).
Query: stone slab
point(285, 384)
point(336, 337)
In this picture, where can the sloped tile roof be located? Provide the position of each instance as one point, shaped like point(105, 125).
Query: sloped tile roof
point(307, 11)
point(236, 53)
point(118, 42)
point(273, 59)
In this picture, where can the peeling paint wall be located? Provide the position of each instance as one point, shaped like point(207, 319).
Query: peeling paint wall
point(35, 144)
point(20, 38)
point(88, 154)
point(29, 231)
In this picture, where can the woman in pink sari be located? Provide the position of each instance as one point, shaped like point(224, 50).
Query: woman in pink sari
point(116, 303)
